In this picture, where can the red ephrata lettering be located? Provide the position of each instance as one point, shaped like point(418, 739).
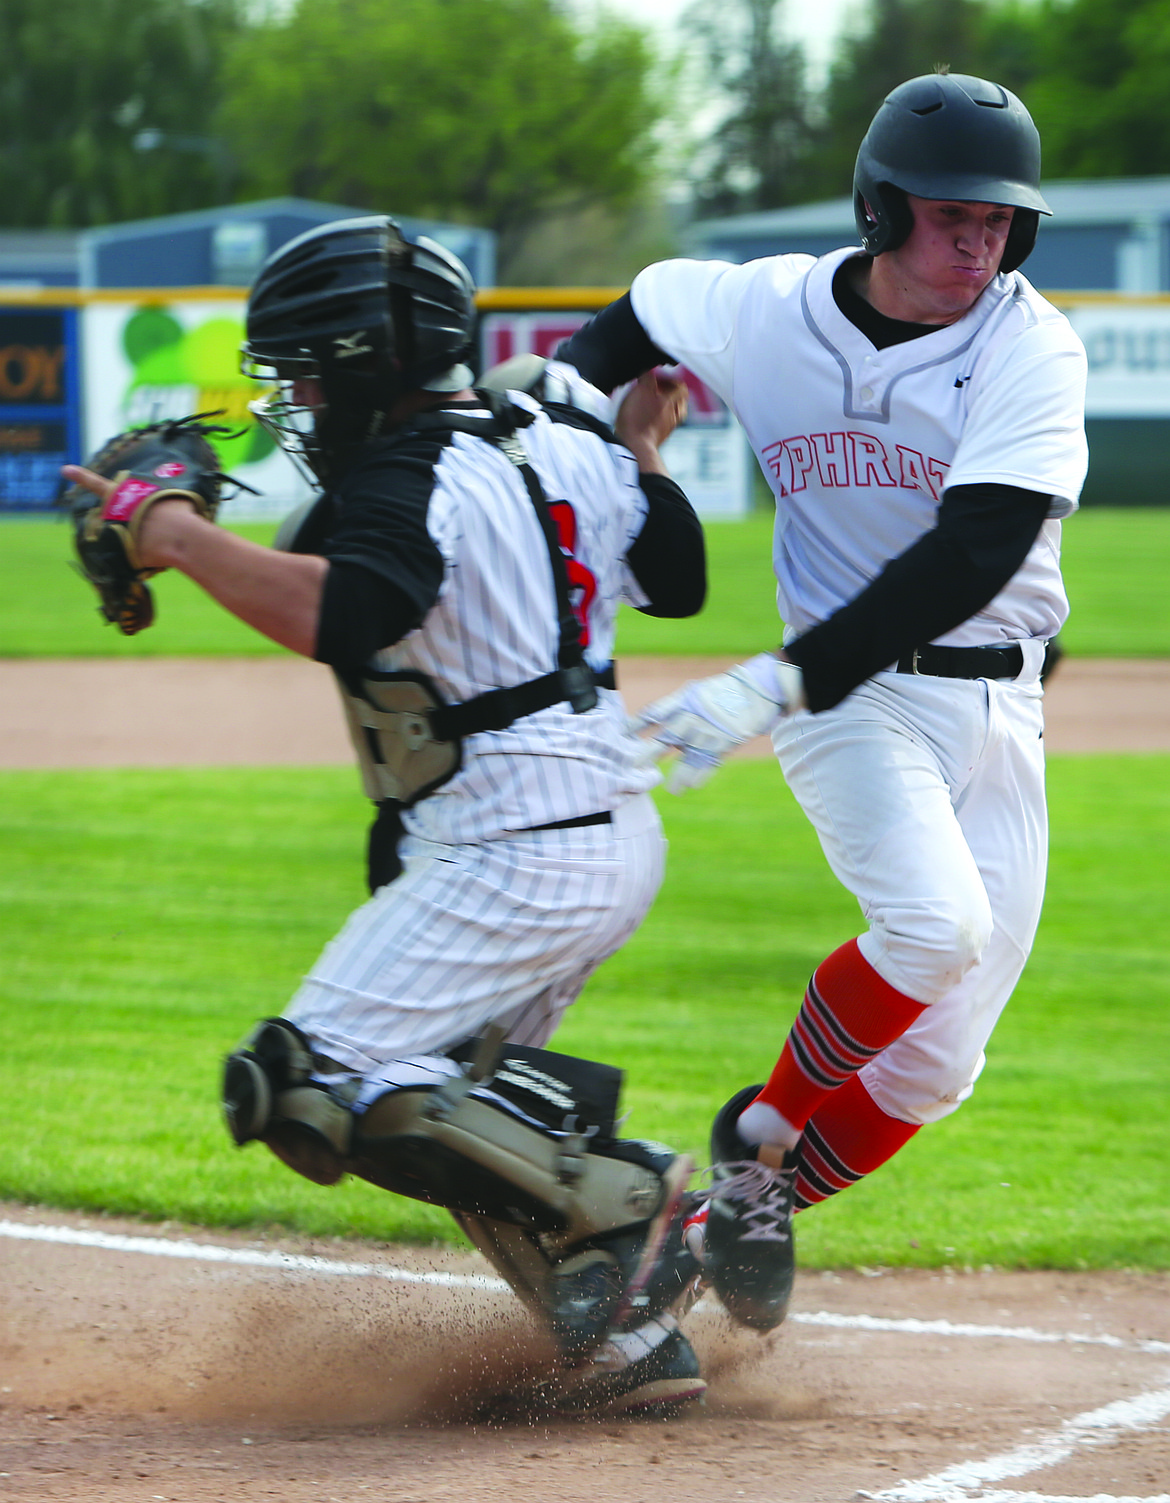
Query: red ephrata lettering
point(918, 473)
point(801, 460)
point(870, 464)
point(832, 456)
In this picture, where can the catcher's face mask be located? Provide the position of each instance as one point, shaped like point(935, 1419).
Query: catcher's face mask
point(289, 408)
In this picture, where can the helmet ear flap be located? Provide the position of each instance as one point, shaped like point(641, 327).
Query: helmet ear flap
point(1021, 239)
point(884, 218)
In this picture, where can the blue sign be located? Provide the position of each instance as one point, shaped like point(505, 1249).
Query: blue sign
point(39, 404)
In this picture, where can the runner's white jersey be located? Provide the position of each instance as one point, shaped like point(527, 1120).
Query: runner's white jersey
point(858, 443)
point(494, 625)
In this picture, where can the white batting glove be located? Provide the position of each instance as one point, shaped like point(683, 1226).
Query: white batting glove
point(709, 717)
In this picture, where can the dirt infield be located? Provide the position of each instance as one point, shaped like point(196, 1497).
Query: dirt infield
point(203, 712)
point(140, 1364)
point(126, 1376)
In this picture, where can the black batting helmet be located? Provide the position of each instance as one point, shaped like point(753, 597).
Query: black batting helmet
point(948, 135)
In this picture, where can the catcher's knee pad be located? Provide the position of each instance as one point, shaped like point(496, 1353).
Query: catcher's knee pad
point(534, 1146)
point(268, 1096)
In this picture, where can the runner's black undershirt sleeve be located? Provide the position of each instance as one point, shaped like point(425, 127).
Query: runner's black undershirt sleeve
point(668, 557)
point(982, 536)
point(612, 348)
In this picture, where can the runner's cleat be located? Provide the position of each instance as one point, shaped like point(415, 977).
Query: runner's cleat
point(749, 1254)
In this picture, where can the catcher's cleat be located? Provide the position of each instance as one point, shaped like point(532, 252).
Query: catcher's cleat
point(651, 1371)
point(749, 1254)
point(677, 1279)
point(604, 1283)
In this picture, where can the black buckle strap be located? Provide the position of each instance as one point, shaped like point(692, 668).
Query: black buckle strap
point(964, 662)
point(580, 690)
point(496, 709)
point(573, 681)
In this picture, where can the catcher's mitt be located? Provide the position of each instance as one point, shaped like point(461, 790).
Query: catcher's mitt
point(154, 463)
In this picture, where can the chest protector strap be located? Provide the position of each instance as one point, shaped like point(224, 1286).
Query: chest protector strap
point(408, 739)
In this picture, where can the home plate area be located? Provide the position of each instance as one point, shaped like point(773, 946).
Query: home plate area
point(175, 1364)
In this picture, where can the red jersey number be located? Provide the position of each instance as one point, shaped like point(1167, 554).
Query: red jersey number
point(582, 583)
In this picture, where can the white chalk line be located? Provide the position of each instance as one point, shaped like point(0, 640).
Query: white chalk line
point(248, 1257)
point(956, 1484)
point(1094, 1428)
point(209, 1252)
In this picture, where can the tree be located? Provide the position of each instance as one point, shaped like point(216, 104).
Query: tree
point(82, 79)
point(481, 111)
point(757, 156)
point(899, 39)
point(1100, 85)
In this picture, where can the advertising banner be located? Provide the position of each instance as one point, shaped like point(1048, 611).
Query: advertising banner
point(39, 427)
point(145, 362)
point(1129, 357)
point(708, 455)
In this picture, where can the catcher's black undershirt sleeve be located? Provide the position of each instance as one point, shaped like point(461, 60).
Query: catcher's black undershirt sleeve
point(668, 557)
point(384, 567)
point(612, 348)
point(982, 536)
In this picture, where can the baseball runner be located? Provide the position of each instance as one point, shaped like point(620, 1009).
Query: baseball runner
point(461, 573)
point(917, 408)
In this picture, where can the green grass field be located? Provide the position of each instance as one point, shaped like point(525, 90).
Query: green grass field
point(151, 916)
point(1116, 564)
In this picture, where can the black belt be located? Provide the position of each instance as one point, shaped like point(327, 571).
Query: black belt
point(604, 817)
point(964, 662)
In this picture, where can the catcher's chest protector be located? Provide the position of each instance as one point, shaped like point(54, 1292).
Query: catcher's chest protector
point(398, 752)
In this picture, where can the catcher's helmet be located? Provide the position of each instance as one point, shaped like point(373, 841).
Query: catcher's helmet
point(948, 135)
point(368, 313)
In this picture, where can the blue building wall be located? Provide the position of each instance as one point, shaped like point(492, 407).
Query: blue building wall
point(227, 246)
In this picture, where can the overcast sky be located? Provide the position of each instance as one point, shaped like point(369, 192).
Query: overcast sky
point(813, 22)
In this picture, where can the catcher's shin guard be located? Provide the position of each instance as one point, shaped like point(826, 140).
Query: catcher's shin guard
point(519, 1147)
point(573, 1218)
point(268, 1096)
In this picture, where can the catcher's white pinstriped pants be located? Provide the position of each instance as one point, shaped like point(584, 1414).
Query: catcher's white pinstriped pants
point(504, 931)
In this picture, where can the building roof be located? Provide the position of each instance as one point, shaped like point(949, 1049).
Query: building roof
point(52, 250)
point(1073, 202)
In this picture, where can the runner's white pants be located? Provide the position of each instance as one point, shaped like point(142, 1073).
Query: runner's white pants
point(928, 797)
point(505, 931)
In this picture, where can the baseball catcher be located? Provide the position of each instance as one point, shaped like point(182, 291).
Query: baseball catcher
point(165, 461)
point(460, 574)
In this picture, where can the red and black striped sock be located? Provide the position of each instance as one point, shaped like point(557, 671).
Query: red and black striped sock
point(849, 1014)
point(846, 1138)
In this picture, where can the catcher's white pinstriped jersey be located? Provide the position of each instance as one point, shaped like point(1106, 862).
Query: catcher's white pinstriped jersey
point(859, 443)
point(503, 931)
point(495, 624)
point(492, 919)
